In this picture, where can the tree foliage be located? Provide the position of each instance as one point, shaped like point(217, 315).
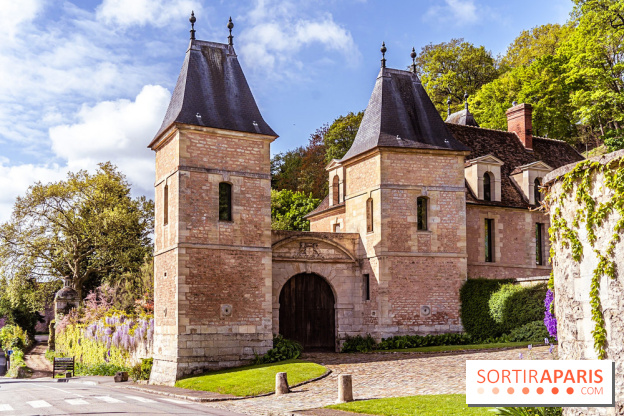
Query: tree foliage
point(87, 228)
point(451, 69)
point(340, 135)
point(288, 209)
point(533, 44)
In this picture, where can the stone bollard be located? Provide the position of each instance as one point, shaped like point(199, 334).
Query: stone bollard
point(345, 388)
point(281, 384)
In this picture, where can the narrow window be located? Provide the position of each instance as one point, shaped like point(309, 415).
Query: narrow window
point(336, 190)
point(536, 190)
point(166, 205)
point(487, 187)
point(421, 212)
point(225, 201)
point(369, 215)
point(539, 244)
point(336, 228)
point(489, 240)
point(367, 287)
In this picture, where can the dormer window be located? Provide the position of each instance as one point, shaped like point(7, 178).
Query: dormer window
point(529, 179)
point(537, 195)
point(483, 176)
point(336, 190)
point(336, 181)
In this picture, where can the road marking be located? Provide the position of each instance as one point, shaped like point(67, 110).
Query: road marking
point(64, 391)
point(76, 402)
point(5, 408)
point(176, 401)
point(141, 399)
point(39, 403)
point(109, 399)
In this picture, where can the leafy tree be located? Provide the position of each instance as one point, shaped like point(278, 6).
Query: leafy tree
point(288, 209)
point(87, 228)
point(286, 169)
point(340, 135)
point(450, 69)
point(536, 43)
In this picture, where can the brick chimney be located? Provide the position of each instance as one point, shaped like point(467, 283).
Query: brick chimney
point(519, 121)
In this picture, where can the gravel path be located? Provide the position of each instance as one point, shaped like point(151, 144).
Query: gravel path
point(36, 360)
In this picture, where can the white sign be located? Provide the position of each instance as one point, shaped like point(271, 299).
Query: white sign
point(564, 383)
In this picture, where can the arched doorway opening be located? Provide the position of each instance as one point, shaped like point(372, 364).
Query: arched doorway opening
point(306, 313)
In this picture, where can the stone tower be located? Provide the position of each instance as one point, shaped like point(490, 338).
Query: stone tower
point(212, 256)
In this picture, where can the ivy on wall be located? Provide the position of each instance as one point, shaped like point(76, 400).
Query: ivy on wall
point(577, 184)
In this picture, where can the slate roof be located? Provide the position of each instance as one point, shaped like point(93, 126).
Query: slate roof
point(212, 91)
point(507, 147)
point(400, 114)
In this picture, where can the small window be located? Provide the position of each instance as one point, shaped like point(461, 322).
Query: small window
point(369, 215)
point(536, 190)
point(336, 228)
point(366, 286)
point(166, 205)
point(225, 201)
point(421, 212)
point(336, 190)
point(487, 187)
point(489, 240)
point(539, 244)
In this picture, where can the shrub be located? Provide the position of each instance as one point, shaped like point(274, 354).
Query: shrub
point(12, 337)
point(415, 341)
point(513, 306)
point(283, 349)
point(475, 311)
point(17, 362)
point(142, 370)
point(359, 344)
point(103, 369)
point(532, 332)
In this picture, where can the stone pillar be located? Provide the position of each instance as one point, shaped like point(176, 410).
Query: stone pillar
point(345, 388)
point(281, 384)
point(65, 300)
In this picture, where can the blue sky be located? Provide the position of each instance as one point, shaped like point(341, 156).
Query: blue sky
point(87, 81)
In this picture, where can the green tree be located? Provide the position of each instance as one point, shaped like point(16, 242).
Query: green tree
point(536, 43)
point(288, 209)
point(340, 135)
point(87, 228)
point(450, 69)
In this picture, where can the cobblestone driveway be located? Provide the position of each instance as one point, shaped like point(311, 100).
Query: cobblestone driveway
point(376, 376)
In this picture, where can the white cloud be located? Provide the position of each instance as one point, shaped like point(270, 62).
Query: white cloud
point(278, 32)
point(158, 13)
point(14, 14)
point(118, 131)
point(454, 11)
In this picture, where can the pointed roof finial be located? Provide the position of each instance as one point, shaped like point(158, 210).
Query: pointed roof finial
point(230, 26)
point(448, 106)
point(383, 54)
point(466, 100)
point(413, 56)
point(192, 20)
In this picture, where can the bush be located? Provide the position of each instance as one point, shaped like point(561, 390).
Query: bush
point(415, 341)
point(283, 349)
point(103, 369)
point(142, 370)
point(359, 344)
point(475, 311)
point(532, 332)
point(17, 362)
point(513, 306)
point(12, 337)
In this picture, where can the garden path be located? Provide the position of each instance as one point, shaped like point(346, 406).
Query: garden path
point(377, 375)
point(36, 360)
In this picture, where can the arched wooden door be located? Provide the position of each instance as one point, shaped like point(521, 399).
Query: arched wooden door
point(306, 312)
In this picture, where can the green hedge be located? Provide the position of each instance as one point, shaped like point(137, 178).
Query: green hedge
point(475, 315)
point(532, 332)
point(283, 349)
point(513, 306)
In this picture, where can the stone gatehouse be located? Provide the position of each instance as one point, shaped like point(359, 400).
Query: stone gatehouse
point(415, 207)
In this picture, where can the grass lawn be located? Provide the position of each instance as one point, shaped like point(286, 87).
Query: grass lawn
point(253, 379)
point(443, 348)
point(426, 405)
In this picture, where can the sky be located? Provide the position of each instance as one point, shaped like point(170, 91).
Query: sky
point(88, 81)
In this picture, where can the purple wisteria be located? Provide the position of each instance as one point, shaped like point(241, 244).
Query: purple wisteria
point(549, 318)
point(121, 332)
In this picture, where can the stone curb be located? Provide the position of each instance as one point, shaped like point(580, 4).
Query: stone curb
point(217, 399)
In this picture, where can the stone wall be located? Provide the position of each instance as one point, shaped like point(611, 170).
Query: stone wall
point(572, 283)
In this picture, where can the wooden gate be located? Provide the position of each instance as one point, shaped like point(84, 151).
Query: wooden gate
point(307, 312)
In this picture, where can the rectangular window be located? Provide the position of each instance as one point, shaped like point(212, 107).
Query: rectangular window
point(369, 215)
point(225, 201)
point(421, 213)
point(539, 244)
point(489, 240)
point(367, 287)
point(166, 205)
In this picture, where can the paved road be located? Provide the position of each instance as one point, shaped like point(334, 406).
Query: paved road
point(47, 397)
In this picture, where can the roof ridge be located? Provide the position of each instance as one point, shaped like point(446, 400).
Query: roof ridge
point(482, 128)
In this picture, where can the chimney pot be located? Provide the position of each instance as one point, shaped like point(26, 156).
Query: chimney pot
point(519, 121)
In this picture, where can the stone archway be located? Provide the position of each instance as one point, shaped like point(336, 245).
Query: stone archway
point(306, 313)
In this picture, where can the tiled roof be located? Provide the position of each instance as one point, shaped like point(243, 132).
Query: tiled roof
point(212, 92)
point(507, 147)
point(324, 206)
point(400, 114)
